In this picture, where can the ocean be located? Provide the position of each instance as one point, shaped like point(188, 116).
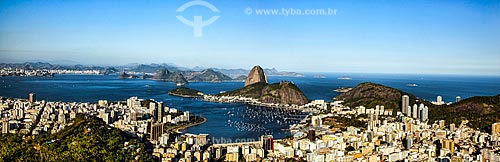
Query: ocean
point(234, 121)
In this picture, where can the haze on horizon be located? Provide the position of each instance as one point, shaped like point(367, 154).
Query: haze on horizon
point(432, 37)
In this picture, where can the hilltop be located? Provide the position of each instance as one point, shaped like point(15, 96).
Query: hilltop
point(256, 75)
point(481, 111)
point(281, 93)
point(86, 138)
point(371, 94)
point(256, 87)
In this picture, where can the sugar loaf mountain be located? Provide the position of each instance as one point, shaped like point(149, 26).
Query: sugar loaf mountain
point(480, 111)
point(257, 87)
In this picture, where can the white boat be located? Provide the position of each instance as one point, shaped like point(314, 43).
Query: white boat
point(344, 78)
point(412, 85)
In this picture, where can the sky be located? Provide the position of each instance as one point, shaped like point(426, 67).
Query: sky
point(372, 36)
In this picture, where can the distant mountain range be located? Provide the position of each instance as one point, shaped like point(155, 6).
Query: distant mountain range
point(146, 71)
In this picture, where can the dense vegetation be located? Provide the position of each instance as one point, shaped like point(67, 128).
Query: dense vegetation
point(87, 138)
point(343, 122)
point(282, 93)
point(185, 92)
point(481, 111)
point(370, 95)
point(252, 91)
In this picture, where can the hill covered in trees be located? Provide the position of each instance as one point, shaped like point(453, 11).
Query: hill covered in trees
point(85, 138)
point(480, 111)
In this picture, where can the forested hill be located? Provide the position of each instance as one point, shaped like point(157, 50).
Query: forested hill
point(86, 138)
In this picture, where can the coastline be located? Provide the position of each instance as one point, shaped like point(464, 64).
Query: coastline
point(254, 102)
point(178, 129)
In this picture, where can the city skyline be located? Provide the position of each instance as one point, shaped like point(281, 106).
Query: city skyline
point(422, 37)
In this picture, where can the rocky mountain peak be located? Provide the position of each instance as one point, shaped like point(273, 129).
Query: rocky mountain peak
point(256, 75)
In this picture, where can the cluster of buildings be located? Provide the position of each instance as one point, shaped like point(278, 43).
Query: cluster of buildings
point(404, 136)
point(440, 101)
point(143, 118)
point(8, 71)
point(417, 112)
point(252, 101)
point(25, 72)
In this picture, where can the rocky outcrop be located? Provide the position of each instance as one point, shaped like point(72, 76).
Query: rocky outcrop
point(284, 93)
point(256, 75)
point(256, 87)
point(166, 75)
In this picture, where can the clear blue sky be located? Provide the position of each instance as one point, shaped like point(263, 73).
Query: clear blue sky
point(400, 36)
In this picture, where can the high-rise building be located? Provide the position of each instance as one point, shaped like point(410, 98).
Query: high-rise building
point(452, 127)
point(495, 129)
point(156, 131)
point(186, 114)
point(32, 97)
point(405, 103)
point(133, 102)
point(61, 118)
point(457, 99)
point(370, 124)
point(311, 135)
point(156, 111)
point(103, 103)
point(160, 113)
point(5, 127)
point(414, 112)
point(316, 121)
point(409, 142)
point(439, 100)
point(425, 114)
point(201, 139)
point(408, 111)
point(449, 144)
point(420, 112)
point(267, 142)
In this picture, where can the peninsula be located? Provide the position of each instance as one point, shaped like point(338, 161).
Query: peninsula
point(256, 91)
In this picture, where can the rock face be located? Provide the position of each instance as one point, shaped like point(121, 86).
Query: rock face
point(256, 75)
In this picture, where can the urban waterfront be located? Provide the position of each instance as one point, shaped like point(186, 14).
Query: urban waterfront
point(233, 120)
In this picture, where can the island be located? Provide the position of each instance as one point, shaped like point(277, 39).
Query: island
point(186, 92)
point(343, 89)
